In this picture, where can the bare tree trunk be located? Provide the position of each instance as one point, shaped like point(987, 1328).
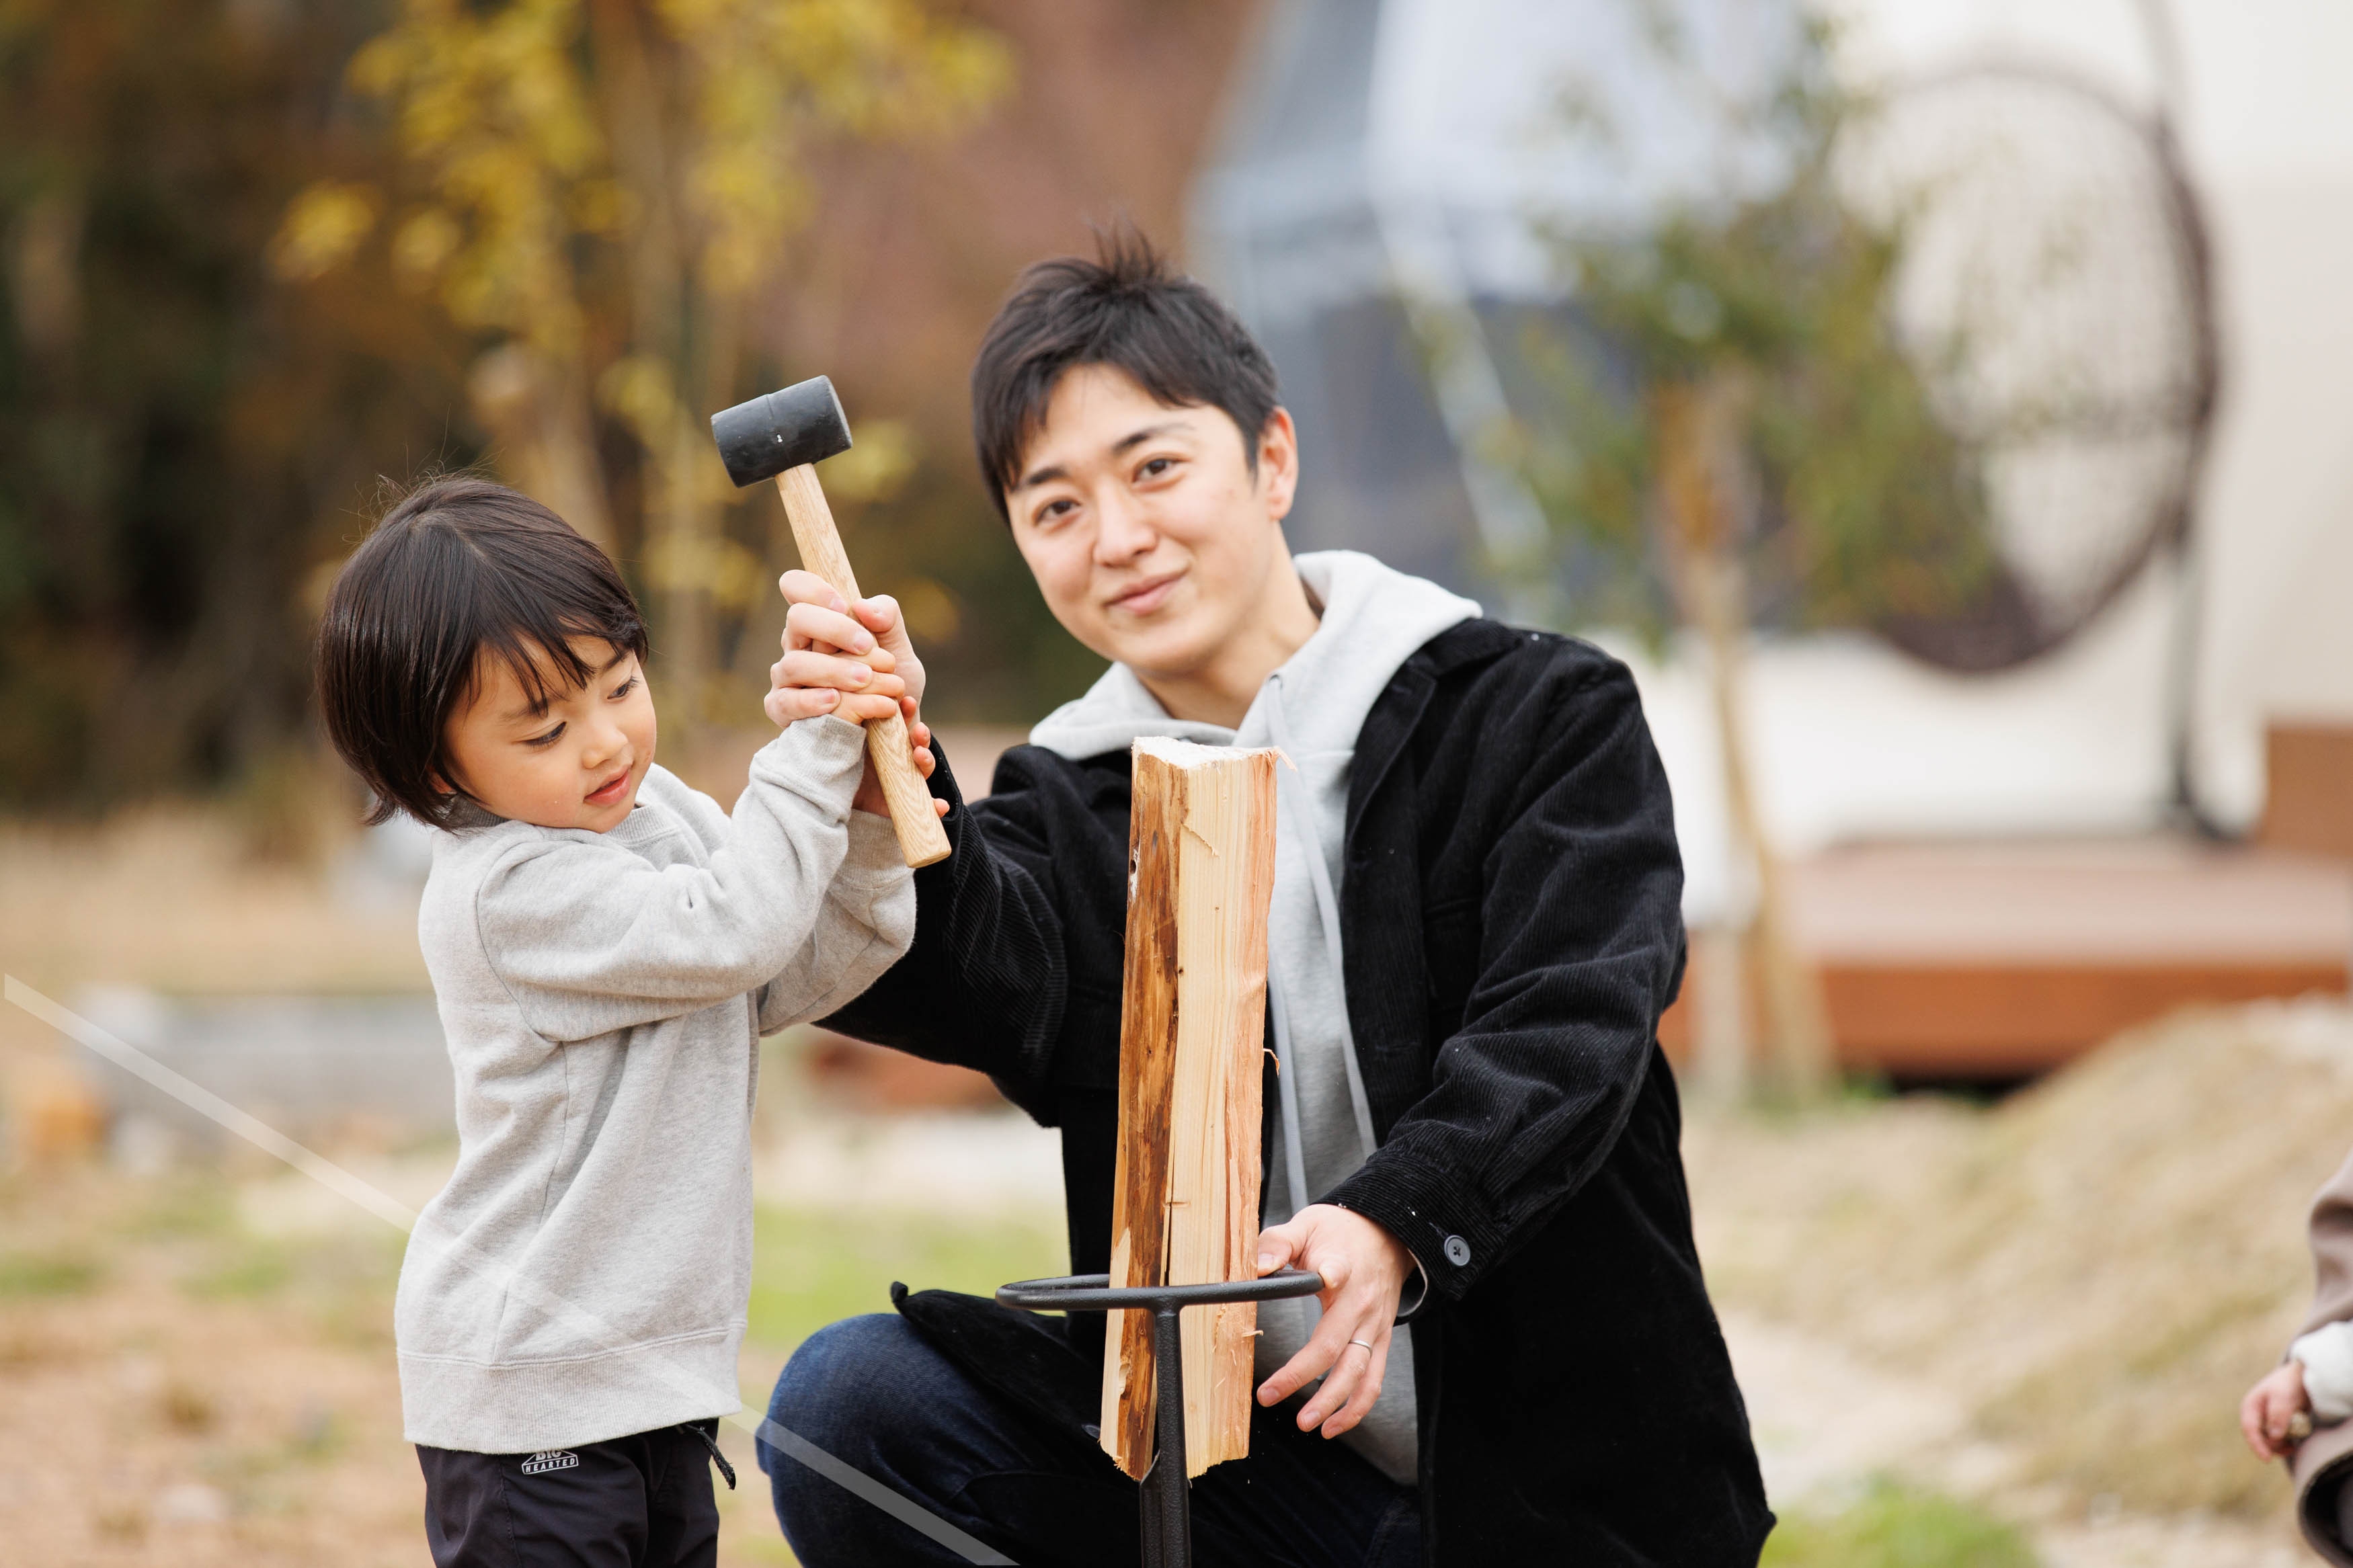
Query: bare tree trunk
point(545, 439)
point(1701, 489)
point(1723, 1032)
point(718, 363)
point(640, 127)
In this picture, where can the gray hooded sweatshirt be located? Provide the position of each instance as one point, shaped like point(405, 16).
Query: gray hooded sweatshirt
point(585, 1272)
point(1373, 620)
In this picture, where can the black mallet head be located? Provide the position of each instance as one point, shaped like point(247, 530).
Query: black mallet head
point(762, 438)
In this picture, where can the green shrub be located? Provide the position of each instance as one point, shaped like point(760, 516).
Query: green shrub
point(46, 1274)
point(1893, 1526)
point(810, 1269)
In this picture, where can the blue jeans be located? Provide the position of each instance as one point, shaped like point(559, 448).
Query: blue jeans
point(874, 1393)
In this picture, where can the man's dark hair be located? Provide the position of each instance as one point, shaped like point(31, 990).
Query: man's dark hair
point(458, 571)
point(1124, 309)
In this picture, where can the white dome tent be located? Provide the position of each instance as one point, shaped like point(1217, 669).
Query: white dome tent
point(1385, 152)
point(1385, 160)
point(1373, 211)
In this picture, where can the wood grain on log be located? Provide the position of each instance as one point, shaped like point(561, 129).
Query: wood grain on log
point(1192, 1030)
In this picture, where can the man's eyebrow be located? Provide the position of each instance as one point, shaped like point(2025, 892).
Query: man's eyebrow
point(1053, 471)
point(1139, 437)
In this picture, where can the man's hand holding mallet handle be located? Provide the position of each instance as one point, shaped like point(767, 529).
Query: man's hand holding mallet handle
point(2277, 1414)
point(783, 436)
point(852, 661)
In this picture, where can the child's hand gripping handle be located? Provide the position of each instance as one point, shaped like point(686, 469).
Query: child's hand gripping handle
point(921, 837)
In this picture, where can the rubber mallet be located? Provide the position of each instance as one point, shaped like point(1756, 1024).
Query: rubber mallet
point(783, 436)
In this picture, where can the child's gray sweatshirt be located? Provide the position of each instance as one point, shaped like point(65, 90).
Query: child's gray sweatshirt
point(585, 1272)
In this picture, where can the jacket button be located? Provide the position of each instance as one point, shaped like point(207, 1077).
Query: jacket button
point(1458, 1252)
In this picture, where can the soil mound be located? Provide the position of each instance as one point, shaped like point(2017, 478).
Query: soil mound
point(2098, 1267)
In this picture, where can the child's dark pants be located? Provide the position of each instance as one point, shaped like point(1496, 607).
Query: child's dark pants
point(640, 1501)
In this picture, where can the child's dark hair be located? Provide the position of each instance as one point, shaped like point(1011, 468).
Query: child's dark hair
point(460, 570)
point(1127, 309)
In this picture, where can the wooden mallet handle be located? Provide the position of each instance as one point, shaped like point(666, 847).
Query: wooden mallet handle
point(921, 837)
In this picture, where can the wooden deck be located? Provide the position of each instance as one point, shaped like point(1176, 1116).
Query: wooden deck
point(1997, 960)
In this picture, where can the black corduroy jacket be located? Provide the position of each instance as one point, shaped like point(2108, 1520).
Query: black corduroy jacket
point(1512, 930)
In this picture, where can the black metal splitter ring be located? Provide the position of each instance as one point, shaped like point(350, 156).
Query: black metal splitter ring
point(1167, 1511)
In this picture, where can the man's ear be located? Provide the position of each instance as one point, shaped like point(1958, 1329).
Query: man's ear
point(1278, 463)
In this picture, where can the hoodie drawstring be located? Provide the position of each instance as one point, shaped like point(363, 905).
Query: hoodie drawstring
point(1290, 792)
point(1294, 1161)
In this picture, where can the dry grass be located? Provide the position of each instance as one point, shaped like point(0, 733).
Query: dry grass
point(2098, 1267)
point(174, 1390)
point(181, 899)
point(196, 1368)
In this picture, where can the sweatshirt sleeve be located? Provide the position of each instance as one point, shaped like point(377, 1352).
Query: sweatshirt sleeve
point(2325, 1344)
point(988, 949)
point(590, 938)
point(1579, 948)
point(2327, 1353)
point(864, 927)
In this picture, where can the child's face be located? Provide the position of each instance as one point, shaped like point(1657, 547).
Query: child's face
point(575, 763)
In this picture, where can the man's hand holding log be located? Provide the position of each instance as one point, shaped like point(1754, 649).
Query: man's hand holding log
point(783, 436)
point(852, 661)
point(1365, 1270)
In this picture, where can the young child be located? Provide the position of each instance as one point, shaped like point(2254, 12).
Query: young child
point(606, 947)
point(2312, 1386)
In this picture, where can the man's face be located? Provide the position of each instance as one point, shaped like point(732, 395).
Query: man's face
point(577, 762)
point(1150, 537)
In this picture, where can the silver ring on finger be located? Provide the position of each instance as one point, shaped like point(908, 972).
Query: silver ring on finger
point(1368, 1349)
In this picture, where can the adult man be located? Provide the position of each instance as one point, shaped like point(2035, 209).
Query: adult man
point(1475, 927)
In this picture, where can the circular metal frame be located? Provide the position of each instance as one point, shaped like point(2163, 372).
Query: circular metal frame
point(1096, 1293)
point(1166, 1513)
point(2005, 632)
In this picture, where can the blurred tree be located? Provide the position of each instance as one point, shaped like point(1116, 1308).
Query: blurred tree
point(195, 400)
point(1737, 418)
point(180, 441)
point(1119, 103)
point(597, 188)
